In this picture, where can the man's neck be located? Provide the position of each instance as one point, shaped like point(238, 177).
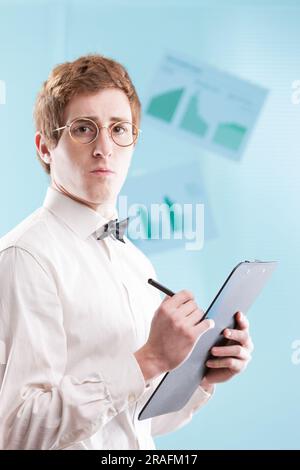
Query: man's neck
point(106, 209)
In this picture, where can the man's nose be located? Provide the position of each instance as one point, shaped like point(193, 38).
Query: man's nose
point(103, 145)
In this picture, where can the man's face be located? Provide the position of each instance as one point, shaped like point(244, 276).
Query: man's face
point(72, 163)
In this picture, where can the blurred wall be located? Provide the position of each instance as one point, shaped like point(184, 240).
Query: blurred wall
point(254, 201)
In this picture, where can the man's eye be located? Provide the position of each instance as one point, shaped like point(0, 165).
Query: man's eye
point(119, 129)
point(83, 129)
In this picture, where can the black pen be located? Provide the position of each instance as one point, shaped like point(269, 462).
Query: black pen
point(161, 287)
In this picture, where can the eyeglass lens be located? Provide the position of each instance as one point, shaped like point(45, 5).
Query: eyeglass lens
point(85, 131)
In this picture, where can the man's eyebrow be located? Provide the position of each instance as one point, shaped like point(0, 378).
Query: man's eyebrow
point(113, 118)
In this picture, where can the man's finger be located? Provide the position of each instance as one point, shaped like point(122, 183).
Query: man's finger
point(242, 321)
point(204, 325)
point(180, 298)
point(241, 336)
point(195, 317)
point(188, 308)
point(232, 351)
point(236, 365)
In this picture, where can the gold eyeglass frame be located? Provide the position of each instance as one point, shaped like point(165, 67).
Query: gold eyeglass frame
point(109, 128)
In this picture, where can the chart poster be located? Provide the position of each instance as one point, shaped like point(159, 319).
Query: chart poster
point(210, 107)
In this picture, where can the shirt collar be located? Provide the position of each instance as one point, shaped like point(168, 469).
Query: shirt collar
point(83, 220)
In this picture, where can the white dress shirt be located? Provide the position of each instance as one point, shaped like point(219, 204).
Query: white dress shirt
point(73, 310)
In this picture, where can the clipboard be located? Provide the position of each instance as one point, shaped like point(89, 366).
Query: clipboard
point(238, 293)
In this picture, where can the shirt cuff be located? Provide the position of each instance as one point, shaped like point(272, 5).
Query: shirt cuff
point(124, 380)
point(199, 398)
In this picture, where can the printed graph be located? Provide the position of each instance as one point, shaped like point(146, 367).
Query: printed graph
point(209, 107)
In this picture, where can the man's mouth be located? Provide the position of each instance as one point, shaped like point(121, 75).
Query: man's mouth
point(101, 171)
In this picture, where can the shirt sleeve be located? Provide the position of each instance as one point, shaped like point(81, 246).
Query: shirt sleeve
point(170, 422)
point(41, 406)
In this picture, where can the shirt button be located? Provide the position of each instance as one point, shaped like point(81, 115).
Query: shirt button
point(131, 397)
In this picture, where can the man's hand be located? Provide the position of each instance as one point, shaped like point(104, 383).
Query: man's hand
point(175, 328)
point(232, 358)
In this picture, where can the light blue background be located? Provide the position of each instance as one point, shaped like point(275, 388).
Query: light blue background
point(255, 202)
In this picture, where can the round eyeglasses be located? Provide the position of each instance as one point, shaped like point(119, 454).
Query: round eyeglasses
point(85, 131)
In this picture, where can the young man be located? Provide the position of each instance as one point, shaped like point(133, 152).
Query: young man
point(85, 338)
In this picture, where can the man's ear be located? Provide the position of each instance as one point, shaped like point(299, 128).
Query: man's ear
point(42, 148)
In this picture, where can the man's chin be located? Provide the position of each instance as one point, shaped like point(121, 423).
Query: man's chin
point(107, 199)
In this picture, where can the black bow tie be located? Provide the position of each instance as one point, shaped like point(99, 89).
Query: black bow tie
point(115, 229)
